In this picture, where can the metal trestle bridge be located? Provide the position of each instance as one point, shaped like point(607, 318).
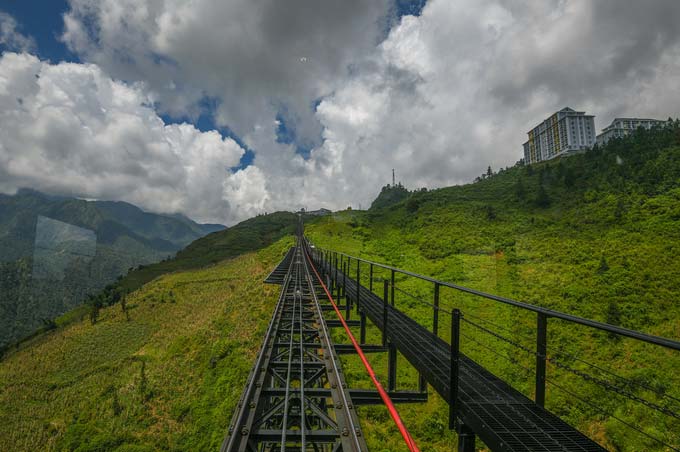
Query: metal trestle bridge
point(296, 397)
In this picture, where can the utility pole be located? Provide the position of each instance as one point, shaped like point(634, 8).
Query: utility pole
point(393, 183)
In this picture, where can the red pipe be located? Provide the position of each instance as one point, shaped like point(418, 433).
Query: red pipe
point(383, 394)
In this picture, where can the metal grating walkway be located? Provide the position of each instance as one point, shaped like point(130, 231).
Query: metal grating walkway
point(502, 417)
point(278, 275)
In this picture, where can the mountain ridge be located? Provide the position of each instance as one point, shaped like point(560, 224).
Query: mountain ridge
point(122, 235)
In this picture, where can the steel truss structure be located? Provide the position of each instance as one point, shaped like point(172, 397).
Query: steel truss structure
point(296, 396)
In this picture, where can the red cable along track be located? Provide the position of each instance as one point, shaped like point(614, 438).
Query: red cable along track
point(383, 394)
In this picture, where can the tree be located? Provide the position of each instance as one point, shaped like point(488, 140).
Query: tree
point(412, 205)
point(520, 191)
point(489, 171)
point(95, 305)
point(94, 313)
point(603, 267)
point(490, 212)
point(542, 199)
point(123, 306)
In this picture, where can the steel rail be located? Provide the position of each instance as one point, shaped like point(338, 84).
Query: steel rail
point(346, 404)
point(232, 438)
point(303, 421)
point(286, 400)
point(649, 338)
point(413, 447)
point(267, 415)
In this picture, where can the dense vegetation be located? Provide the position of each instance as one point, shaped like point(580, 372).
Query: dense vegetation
point(595, 235)
point(390, 195)
point(56, 251)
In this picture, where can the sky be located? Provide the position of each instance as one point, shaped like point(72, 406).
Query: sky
point(222, 110)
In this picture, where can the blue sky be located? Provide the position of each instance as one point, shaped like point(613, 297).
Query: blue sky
point(42, 20)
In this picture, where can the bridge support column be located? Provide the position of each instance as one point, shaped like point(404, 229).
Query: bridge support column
point(466, 438)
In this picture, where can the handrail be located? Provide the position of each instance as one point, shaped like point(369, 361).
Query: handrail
point(651, 339)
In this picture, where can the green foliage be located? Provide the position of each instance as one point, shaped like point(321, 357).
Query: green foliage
point(520, 191)
point(598, 238)
point(542, 198)
point(390, 195)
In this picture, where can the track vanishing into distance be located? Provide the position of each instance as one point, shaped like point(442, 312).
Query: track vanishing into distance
point(296, 397)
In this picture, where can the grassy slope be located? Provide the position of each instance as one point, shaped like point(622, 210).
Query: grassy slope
point(168, 379)
point(250, 235)
point(550, 257)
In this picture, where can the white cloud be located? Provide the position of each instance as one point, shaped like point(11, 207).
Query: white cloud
point(11, 38)
point(257, 57)
point(70, 129)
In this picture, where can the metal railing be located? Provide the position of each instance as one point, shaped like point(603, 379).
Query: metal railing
point(344, 261)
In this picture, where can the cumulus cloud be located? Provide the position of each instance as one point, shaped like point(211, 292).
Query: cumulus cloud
point(10, 37)
point(70, 129)
point(258, 58)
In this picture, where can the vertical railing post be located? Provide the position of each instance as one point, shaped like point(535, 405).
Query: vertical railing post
point(370, 278)
point(358, 284)
point(392, 287)
point(362, 333)
point(348, 306)
point(422, 383)
point(391, 367)
point(455, 367)
point(435, 310)
point(343, 269)
point(541, 355)
point(335, 280)
point(385, 302)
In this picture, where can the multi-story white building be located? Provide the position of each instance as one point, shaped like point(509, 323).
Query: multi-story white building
point(620, 127)
point(564, 132)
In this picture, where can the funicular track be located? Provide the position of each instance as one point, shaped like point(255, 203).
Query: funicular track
point(296, 397)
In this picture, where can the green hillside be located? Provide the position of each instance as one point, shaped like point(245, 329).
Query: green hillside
point(57, 250)
point(595, 235)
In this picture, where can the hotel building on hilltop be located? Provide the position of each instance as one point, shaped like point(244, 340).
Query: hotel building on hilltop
point(564, 132)
point(620, 127)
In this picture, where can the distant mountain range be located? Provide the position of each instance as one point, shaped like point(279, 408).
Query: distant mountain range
point(56, 250)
